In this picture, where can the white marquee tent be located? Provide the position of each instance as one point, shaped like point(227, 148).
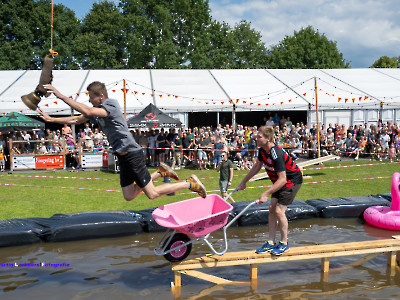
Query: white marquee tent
point(344, 95)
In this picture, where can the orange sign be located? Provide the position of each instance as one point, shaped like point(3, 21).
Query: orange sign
point(49, 161)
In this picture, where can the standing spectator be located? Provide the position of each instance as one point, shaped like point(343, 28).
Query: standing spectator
point(384, 144)
point(66, 130)
point(177, 151)
point(3, 159)
point(144, 143)
point(152, 145)
point(225, 167)
point(218, 149)
point(270, 122)
point(276, 119)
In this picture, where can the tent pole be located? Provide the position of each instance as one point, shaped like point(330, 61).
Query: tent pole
point(125, 99)
point(316, 104)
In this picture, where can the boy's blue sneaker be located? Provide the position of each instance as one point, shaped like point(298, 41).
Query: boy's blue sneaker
point(280, 248)
point(267, 247)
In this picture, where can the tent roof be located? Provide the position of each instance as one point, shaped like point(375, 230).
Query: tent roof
point(152, 117)
point(213, 90)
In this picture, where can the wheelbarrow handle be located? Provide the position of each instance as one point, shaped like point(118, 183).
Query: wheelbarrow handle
point(229, 195)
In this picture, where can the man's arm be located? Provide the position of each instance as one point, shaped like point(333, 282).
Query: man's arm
point(82, 108)
point(280, 183)
point(253, 171)
point(63, 120)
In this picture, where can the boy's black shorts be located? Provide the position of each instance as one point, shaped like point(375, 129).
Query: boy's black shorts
point(133, 168)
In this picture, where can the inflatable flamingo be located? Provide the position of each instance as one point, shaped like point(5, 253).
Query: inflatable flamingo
point(383, 216)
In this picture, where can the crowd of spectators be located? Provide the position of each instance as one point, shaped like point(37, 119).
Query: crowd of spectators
point(202, 147)
point(62, 141)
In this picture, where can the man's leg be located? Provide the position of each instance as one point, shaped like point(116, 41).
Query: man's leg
point(272, 221)
point(282, 221)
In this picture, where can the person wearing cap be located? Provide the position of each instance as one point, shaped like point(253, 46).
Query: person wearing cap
point(134, 176)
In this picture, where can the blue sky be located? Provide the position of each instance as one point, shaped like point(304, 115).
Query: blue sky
point(363, 29)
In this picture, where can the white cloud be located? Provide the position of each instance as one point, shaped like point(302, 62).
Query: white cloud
point(364, 30)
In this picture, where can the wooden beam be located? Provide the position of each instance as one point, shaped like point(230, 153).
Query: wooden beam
point(324, 252)
point(206, 277)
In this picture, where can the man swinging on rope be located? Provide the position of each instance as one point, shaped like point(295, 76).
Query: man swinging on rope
point(134, 176)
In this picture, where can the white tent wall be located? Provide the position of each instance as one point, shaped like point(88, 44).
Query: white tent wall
point(344, 95)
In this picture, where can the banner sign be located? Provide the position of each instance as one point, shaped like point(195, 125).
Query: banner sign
point(92, 160)
point(23, 162)
point(49, 161)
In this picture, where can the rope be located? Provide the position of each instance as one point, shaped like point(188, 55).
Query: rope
point(52, 52)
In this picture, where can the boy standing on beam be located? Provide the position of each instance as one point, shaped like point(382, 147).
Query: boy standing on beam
point(134, 176)
point(286, 178)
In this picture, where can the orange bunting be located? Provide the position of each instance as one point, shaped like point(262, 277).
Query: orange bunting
point(354, 99)
point(87, 93)
point(251, 103)
point(135, 92)
point(244, 102)
point(222, 102)
point(46, 105)
point(176, 97)
point(70, 97)
point(20, 111)
point(339, 99)
point(77, 94)
point(345, 100)
point(359, 99)
point(160, 96)
point(143, 94)
point(55, 102)
point(304, 94)
point(281, 102)
point(290, 100)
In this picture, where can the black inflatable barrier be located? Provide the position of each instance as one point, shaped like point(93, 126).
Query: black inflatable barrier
point(148, 222)
point(258, 213)
point(387, 196)
point(14, 232)
point(345, 207)
point(79, 226)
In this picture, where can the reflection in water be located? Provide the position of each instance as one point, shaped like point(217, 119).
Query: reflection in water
point(126, 268)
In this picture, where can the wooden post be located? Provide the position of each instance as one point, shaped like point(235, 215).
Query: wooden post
point(391, 263)
point(325, 269)
point(253, 272)
point(125, 99)
point(316, 104)
point(177, 279)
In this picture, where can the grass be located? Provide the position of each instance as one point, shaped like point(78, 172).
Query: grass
point(42, 194)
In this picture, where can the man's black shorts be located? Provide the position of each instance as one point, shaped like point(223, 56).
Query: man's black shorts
point(286, 196)
point(132, 168)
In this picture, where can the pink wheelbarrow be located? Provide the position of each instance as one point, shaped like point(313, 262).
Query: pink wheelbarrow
point(193, 218)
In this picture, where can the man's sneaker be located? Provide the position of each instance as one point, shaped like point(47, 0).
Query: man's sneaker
point(280, 248)
point(197, 186)
point(267, 247)
point(166, 171)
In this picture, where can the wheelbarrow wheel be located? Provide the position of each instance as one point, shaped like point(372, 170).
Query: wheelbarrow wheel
point(178, 254)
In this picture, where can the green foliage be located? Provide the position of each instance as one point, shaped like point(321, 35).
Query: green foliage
point(306, 49)
point(156, 34)
point(387, 62)
point(25, 33)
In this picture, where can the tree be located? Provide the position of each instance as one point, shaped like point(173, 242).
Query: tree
point(221, 47)
point(25, 30)
point(306, 49)
point(387, 62)
point(100, 43)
